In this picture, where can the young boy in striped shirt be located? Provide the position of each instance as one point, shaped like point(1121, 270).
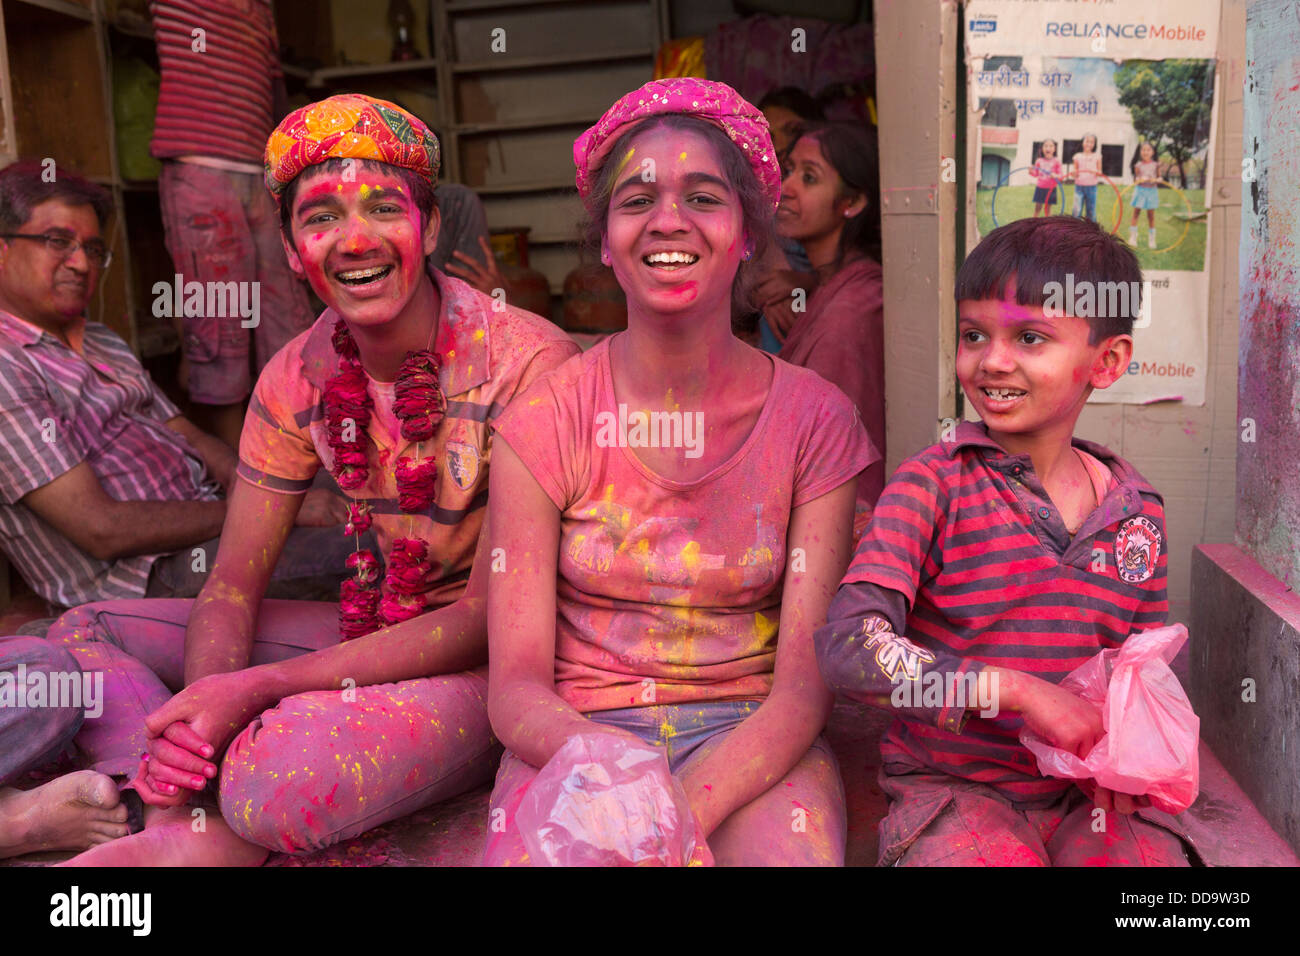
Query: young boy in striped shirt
point(1008, 554)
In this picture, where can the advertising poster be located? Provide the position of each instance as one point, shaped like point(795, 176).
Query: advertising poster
point(1106, 111)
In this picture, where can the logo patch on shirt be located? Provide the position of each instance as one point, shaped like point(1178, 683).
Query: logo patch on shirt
point(462, 464)
point(1137, 547)
point(895, 654)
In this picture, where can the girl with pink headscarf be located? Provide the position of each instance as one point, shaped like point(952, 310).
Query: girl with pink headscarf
point(671, 511)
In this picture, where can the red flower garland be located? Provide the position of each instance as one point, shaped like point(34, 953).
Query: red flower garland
point(357, 609)
point(359, 519)
point(418, 401)
point(347, 413)
point(407, 577)
point(419, 405)
point(417, 483)
point(367, 568)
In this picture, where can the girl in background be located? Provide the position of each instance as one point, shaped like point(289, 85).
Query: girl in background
point(1084, 170)
point(1047, 173)
point(1146, 195)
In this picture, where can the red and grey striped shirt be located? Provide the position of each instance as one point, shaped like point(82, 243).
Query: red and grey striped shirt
point(59, 408)
point(970, 562)
point(216, 97)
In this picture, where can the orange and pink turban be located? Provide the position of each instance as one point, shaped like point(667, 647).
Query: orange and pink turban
point(350, 125)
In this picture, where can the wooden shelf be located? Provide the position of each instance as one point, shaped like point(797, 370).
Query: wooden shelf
point(323, 76)
point(536, 186)
point(488, 6)
point(142, 30)
point(509, 126)
point(551, 239)
point(544, 62)
point(66, 7)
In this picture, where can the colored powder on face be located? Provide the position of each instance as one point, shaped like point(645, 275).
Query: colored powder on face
point(618, 171)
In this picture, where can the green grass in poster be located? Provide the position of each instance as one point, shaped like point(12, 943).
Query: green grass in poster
point(1016, 202)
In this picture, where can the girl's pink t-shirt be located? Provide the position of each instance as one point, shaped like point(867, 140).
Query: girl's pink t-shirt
point(1087, 166)
point(1046, 169)
point(1143, 171)
point(670, 592)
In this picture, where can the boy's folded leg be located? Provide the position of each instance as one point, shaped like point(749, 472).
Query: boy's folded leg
point(937, 820)
point(133, 650)
point(326, 766)
point(1087, 837)
point(31, 737)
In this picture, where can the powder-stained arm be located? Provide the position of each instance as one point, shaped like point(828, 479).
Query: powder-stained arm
point(767, 744)
point(527, 715)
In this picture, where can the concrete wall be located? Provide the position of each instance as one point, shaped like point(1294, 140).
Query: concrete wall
point(1245, 679)
point(918, 93)
point(1268, 515)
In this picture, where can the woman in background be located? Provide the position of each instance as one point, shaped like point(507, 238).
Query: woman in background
point(828, 203)
point(786, 111)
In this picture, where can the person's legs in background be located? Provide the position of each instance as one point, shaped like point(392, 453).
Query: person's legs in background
point(311, 568)
point(286, 308)
point(208, 238)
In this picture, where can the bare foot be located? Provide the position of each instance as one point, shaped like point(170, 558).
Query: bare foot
point(169, 839)
point(72, 812)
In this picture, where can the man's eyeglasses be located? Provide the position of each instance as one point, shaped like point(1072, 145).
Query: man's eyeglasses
point(97, 254)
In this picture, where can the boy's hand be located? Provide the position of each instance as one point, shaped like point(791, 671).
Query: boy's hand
point(1058, 716)
point(485, 278)
point(321, 509)
point(1108, 800)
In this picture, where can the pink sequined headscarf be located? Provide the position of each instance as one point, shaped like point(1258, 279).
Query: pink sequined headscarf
point(709, 100)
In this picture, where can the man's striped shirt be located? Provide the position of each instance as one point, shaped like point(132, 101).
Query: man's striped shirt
point(488, 357)
point(60, 407)
point(970, 562)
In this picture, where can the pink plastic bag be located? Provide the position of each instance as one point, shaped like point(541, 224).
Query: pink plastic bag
point(1151, 731)
point(602, 800)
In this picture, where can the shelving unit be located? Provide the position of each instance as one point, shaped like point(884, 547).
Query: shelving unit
point(510, 116)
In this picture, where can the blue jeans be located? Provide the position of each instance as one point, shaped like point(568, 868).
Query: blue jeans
point(33, 735)
point(800, 820)
point(1085, 197)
